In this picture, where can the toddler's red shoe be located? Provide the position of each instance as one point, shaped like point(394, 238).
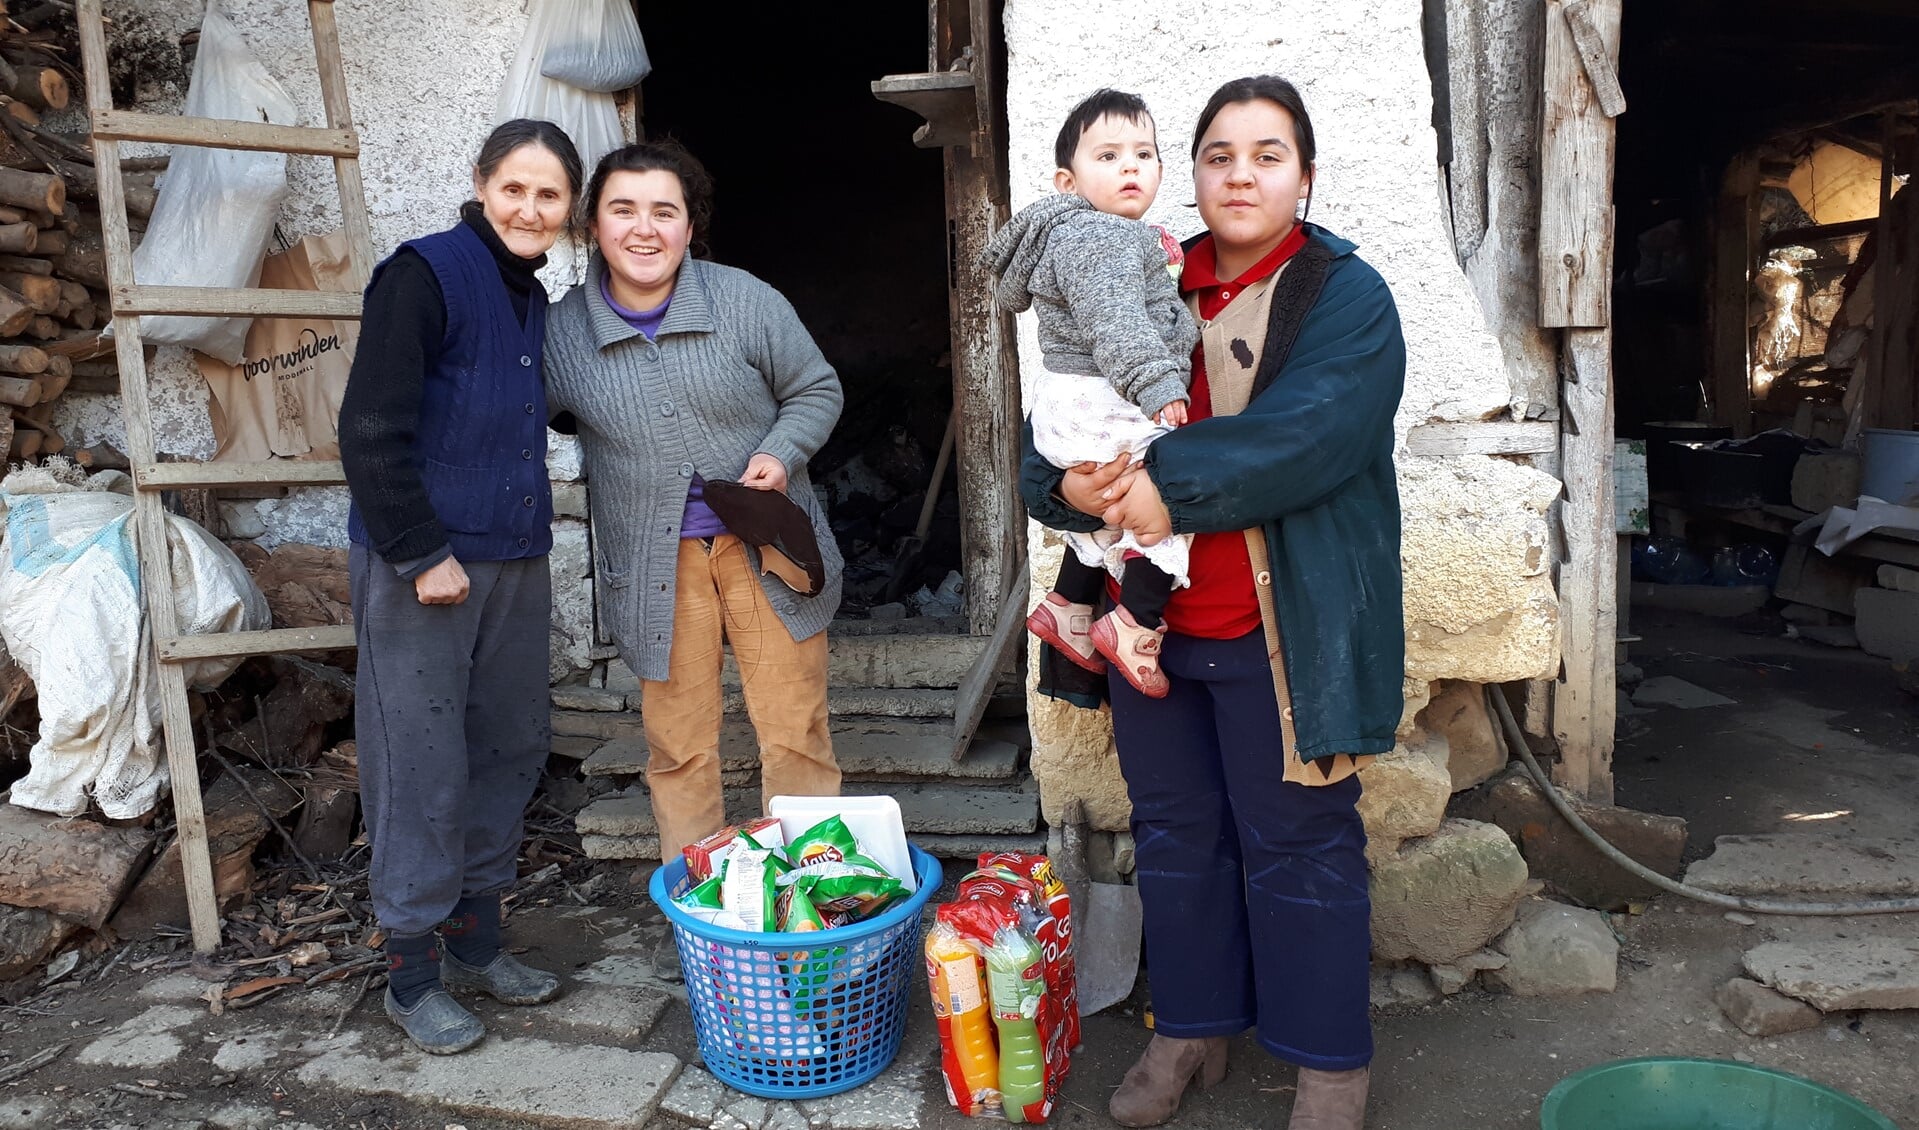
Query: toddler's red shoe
point(1066, 626)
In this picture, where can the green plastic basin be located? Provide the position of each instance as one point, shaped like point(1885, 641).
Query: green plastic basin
point(1662, 1093)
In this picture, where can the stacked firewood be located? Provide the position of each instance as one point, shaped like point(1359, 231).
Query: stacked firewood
point(53, 278)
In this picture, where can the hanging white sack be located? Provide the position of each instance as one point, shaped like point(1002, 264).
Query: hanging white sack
point(591, 119)
point(595, 45)
point(70, 614)
point(216, 207)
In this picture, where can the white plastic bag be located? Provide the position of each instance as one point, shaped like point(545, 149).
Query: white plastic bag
point(594, 45)
point(216, 207)
point(70, 614)
point(591, 119)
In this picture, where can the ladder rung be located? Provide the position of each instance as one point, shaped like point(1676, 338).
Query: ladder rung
point(224, 302)
point(275, 473)
point(226, 645)
point(222, 133)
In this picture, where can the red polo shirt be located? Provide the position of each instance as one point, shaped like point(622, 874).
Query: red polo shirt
point(1221, 603)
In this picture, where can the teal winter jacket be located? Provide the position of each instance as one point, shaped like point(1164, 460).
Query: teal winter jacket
point(1310, 459)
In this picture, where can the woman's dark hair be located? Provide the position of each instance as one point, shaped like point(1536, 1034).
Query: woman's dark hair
point(1262, 88)
point(508, 136)
point(1098, 104)
point(666, 156)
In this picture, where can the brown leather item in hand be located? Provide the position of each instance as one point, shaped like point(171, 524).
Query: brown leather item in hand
point(774, 523)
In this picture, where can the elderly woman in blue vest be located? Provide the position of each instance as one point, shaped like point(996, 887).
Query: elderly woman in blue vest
point(1286, 656)
point(679, 370)
point(443, 434)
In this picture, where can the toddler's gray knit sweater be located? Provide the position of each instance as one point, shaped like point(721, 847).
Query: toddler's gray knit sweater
point(1107, 306)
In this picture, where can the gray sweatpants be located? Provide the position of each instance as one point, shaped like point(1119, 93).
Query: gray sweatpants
point(453, 722)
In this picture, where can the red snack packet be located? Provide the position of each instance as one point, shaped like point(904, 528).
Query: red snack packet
point(1054, 936)
point(703, 858)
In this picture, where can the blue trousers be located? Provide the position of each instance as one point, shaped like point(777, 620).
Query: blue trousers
point(1254, 890)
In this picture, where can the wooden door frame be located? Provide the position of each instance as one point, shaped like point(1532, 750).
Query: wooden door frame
point(1577, 143)
point(966, 120)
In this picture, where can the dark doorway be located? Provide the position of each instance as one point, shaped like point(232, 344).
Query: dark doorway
point(820, 192)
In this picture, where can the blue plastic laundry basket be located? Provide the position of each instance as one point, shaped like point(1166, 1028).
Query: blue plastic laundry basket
point(798, 1015)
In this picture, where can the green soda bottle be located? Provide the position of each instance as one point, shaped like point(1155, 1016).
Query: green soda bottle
point(1016, 983)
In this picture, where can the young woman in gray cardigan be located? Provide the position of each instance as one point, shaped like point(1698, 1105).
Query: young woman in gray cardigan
point(678, 371)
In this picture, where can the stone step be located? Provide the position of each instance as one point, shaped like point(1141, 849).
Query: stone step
point(928, 808)
point(896, 702)
point(867, 747)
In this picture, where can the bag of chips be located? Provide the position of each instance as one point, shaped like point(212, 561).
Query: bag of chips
point(830, 841)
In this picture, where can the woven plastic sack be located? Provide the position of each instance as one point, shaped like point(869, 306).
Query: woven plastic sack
point(216, 207)
point(590, 118)
point(70, 614)
point(594, 45)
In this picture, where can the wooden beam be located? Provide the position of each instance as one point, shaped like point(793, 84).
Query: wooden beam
point(975, 691)
point(1577, 144)
point(346, 166)
point(1576, 159)
point(235, 302)
point(277, 472)
point(1735, 223)
point(943, 98)
point(278, 641)
point(1593, 55)
point(223, 133)
point(1485, 437)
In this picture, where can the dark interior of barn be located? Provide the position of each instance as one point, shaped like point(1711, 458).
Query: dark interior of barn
point(1766, 281)
point(820, 191)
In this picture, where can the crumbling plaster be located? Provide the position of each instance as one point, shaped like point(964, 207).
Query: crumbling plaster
point(1479, 598)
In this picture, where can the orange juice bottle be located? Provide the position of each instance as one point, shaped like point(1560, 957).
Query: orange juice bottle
point(968, 1057)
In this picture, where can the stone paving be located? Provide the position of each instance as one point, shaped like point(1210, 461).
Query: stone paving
point(597, 1057)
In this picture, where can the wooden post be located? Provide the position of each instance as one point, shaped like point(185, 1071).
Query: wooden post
point(1575, 267)
point(1735, 222)
point(985, 357)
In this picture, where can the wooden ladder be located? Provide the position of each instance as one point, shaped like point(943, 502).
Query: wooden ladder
point(130, 300)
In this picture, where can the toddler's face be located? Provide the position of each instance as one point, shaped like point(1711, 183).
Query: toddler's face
point(1116, 166)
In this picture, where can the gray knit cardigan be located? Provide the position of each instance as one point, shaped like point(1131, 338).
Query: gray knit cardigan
point(733, 372)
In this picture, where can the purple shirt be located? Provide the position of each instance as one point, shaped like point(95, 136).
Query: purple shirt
point(698, 520)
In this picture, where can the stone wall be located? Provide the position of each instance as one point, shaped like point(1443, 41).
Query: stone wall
point(422, 77)
point(1479, 600)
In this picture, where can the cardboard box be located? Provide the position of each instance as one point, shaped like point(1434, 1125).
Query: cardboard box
point(703, 858)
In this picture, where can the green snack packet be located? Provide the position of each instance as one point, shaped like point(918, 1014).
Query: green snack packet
point(774, 858)
point(844, 889)
point(797, 913)
point(707, 894)
point(829, 841)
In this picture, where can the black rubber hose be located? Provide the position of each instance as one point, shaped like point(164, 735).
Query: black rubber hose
point(1516, 743)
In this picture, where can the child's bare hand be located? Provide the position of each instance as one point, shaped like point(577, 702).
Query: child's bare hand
point(1173, 415)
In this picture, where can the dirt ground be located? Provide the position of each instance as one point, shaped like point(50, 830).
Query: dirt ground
point(1813, 733)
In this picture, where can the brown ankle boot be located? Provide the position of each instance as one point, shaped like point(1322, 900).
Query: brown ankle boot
point(1153, 1087)
point(1331, 1100)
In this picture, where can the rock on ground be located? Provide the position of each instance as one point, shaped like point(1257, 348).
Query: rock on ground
point(1446, 895)
point(1841, 973)
point(1557, 950)
point(1561, 856)
point(1758, 1011)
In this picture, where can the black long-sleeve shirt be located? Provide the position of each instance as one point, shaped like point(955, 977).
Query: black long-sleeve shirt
point(400, 339)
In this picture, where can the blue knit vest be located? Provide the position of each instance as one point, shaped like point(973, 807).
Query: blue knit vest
point(481, 444)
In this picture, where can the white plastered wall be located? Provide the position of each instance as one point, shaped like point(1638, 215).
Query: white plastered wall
point(1479, 603)
point(422, 76)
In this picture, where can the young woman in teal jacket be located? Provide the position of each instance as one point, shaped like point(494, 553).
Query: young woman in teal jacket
point(1286, 655)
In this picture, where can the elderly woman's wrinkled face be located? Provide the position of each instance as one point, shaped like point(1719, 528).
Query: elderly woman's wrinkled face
point(1248, 177)
point(642, 226)
point(527, 199)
